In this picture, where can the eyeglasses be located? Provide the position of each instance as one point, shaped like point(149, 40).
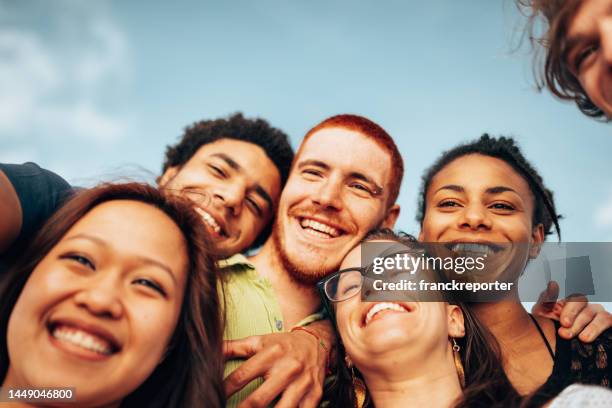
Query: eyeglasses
point(342, 285)
point(346, 283)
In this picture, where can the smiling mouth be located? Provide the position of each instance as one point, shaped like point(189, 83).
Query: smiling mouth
point(319, 229)
point(378, 309)
point(83, 339)
point(211, 223)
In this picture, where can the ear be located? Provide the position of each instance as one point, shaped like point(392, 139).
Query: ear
point(391, 217)
point(456, 324)
point(168, 175)
point(537, 238)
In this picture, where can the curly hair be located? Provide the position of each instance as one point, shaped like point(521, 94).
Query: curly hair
point(273, 141)
point(555, 73)
point(506, 149)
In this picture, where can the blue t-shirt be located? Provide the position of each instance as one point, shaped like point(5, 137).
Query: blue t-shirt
point(40, 192)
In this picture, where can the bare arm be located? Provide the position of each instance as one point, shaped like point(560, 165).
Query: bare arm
point(10, 213)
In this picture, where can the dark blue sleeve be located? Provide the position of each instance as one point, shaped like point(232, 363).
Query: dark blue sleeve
point(40, 192)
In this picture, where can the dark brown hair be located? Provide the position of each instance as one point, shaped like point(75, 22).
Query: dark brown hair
point(554, 73)
point(372, 131)
point(486, 382)
point(191, 373)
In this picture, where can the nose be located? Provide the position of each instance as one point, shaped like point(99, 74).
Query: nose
point(231, 196)
point(101, 297)
point(329, 194)
point(474, 218)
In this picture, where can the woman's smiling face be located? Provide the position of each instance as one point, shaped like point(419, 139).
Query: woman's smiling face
point(483, 202)
point(477, 198)
point(99, 310)
point(375, 334)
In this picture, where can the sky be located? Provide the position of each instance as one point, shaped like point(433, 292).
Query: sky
point(95, 90)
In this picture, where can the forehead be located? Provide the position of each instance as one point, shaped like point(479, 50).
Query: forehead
point(347, 150)
point(479, 172)
point(251, 158)
point(587, 11)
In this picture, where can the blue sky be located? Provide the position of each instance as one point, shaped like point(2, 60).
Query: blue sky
point(94, 90)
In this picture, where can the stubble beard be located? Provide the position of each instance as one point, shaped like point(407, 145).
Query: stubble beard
point(302, 275)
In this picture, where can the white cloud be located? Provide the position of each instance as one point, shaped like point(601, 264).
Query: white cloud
point(53, 80)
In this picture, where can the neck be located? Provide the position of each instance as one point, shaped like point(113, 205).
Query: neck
point(525, 358)
point(296, 300)
point(434, 385)
point(506, 319)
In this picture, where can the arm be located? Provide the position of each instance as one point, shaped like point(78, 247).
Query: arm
point(10, 213)
point(577, 316)
point(293, 364)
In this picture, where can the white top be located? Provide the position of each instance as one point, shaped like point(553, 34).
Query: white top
point(583, 396)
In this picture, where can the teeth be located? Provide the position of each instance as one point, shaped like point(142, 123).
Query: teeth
point(319, 229)
point(82, 339)
point(209, 220)
point(379, 307)
point(474, 248)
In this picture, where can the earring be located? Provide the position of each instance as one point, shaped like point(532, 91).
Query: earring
point(458, 363)
point(359, 387)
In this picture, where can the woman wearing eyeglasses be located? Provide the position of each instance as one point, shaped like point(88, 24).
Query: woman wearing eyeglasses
point(408, 353)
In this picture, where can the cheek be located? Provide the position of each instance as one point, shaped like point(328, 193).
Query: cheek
point(153, 323)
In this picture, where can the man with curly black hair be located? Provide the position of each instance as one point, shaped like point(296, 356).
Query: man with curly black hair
point(577, 45)
point(232, 168)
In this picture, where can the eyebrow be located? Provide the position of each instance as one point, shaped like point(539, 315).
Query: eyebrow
point(258, 188)
point(490, 190)
point(355, 174)
point(141, 259)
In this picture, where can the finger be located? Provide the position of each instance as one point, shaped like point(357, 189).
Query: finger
point(574, 305)
point(272, 387)
point(601, 323)
point(242, 348)
point(546, 300)
point(254, 367)
point(583, 318)
point(295, 393)
point(312, 399)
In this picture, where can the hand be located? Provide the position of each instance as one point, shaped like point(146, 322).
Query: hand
point(576, 314)
point(291, 363)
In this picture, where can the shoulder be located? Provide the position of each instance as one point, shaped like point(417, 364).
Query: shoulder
point(29, 178)
point(40, 193)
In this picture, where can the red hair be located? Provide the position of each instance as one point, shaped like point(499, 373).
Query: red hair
point(372, 131)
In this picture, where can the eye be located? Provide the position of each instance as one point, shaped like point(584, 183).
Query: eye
point(449, 203)
point(80, 259)
point(502, 206)
point(252, 204)
point(582, 55)
point(312, 173)
point(149, 284)
point(360, 187)
point(217, 171)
